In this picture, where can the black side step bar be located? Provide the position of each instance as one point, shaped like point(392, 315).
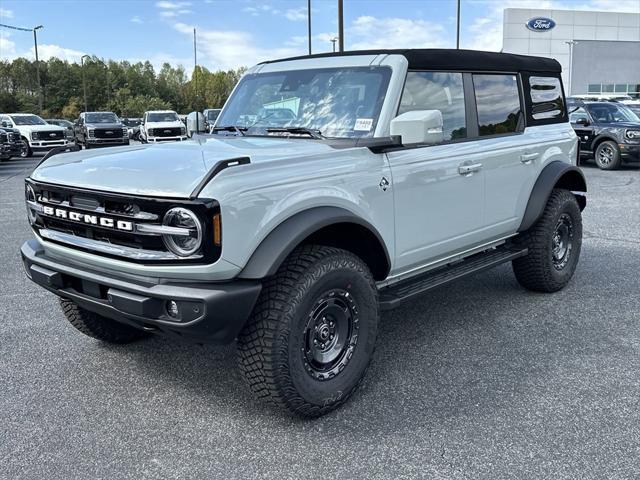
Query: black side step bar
point(394, 295)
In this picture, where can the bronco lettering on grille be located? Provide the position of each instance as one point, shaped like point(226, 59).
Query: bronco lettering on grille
point(88, 219)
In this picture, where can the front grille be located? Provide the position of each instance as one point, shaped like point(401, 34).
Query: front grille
point(165, 132)
point(108, 133)
point(52, 135)
point(137, 210)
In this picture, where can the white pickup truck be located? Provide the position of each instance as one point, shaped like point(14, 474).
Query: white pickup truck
point(162, 126)
point(37, 135)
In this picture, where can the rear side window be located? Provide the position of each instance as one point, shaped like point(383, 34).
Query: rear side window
point(546, 98)
point(442, 91)
point(498, 104)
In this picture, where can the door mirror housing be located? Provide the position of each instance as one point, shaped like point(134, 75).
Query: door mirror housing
point(582, 121)
point(4, 124)
point(419, 126)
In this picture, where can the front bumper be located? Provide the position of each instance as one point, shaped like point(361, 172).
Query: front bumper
point(630, 152)
point(107, 141)
point(45, 146)
point(209, 312)
point(181, 138)
point(11, 149)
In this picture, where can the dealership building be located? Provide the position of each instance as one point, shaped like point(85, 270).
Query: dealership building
point(599, 51)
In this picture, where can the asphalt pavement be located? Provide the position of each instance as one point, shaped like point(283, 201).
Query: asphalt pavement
point(478, 379)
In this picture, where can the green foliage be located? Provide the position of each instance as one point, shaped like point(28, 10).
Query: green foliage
point(122, 87)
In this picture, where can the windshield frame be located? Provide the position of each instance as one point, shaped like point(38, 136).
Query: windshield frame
point(261, 130)
point(88, 115)
point(150, 114)
point(14, 119)
point(614, 106)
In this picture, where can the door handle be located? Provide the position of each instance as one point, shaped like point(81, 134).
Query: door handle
point(528, 157)
point(469, 169)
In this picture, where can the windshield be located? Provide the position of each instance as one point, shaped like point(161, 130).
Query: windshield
point(338, 102)
point(611, 113)
point(27, 120)
point(163, 117)
point(103, 117)
point(61, 123)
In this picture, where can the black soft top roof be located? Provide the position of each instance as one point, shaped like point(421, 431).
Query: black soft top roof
point(456, 60)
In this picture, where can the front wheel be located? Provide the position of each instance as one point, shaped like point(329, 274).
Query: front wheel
point(26, 150)
point(607, 155)
point(554, 244)
point(312, 333)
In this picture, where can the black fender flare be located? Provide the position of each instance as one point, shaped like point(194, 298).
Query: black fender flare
point(602, 137)
point(555, 174)
point(283, 239)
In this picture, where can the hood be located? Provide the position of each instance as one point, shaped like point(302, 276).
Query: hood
point(39, 128)
point(635, 125)
point(171, 170)
point(104, 125)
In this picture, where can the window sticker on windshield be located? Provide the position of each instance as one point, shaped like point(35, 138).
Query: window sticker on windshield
point(363, 124)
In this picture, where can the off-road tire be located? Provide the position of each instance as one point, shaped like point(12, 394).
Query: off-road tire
point(272, 345)
point(607, 155)
point(99, 327)
point(540, 270)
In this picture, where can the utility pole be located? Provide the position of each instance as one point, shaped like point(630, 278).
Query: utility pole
point(195, 78)
point(84, 81)
point(35, 43)
point(458, 27)
point(340, 26)
point(309, 23)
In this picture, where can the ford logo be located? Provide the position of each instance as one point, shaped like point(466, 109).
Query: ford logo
point(540, 24)
point(52, 134)
point(167, 131)
point(109, 132)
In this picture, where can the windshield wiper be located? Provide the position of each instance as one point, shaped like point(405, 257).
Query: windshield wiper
point(297, 130)
point(230, 128)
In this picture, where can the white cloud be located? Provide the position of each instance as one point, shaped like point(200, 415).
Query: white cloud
point(226, 49)
point(368, 32)
point(296, 14)
point(46, 51)
point(136, 19)
point(7, 47)
point(173, 13)
point(486, 31)
point(172, 5)
point(4, 13)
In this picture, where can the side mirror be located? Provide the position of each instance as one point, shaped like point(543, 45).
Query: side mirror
point(418, 126)
point(4, 124)
point(582, 121)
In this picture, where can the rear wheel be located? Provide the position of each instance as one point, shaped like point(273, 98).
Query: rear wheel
point(607, 155)
point(312, 333)
point(554, 244)
point(99, 327)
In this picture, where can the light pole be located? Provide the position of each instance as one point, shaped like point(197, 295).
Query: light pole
point(35, 43)
point(571, 43)
point(340, 26)
point(108, 80)
point(333, 43)
point(84, 80)
point(309, 23)
point(458, 27)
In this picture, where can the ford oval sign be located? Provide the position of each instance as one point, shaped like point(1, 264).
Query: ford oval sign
point(541, 24)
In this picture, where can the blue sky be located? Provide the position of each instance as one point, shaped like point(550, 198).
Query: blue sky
point(244, 32)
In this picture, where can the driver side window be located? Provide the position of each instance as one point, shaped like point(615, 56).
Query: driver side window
point(580, 113)
point(441, 91)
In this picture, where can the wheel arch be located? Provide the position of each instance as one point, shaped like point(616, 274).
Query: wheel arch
point(556, 174)
point(601, 138)
point(330, 226)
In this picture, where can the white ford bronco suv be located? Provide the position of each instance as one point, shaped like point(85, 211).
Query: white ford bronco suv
point(333, 187)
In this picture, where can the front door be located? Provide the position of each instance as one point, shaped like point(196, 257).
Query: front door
point(438, 189)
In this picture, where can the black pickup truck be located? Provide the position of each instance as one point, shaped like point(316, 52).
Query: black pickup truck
point(608, 131)
point(11, 144)
point(99, 129)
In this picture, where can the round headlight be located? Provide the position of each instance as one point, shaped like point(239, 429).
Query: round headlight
point(30, 196)
point(188, 243)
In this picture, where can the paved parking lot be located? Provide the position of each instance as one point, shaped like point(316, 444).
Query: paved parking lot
point(479, 379)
